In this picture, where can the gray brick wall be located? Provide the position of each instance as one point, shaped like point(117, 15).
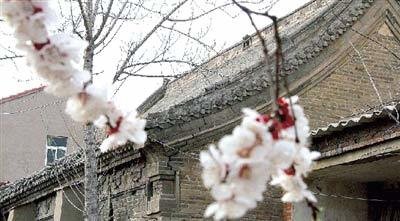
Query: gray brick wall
point(347, 90)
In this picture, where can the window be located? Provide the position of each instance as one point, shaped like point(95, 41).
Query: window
point(246, 41)
point(56, 146)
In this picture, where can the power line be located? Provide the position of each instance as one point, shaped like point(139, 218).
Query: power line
point(354, 198)
point(73, 204)
point(70, 163)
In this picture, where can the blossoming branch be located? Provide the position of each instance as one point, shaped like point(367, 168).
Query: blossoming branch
point(56, 59)
point(263, 148)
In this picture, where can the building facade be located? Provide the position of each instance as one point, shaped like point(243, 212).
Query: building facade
point(342, 59)
point(34, 131)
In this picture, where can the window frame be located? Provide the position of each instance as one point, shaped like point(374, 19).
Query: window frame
point(55, 149)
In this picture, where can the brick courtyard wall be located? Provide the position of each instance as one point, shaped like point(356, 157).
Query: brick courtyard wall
point(193, 197)
point(287, 212)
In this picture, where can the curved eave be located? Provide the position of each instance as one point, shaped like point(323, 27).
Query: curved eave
point(385, 111)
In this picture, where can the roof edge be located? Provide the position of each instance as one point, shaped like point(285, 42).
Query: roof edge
point(389, 110)
point(153, 98)
point(16, 192)
point(21, 94)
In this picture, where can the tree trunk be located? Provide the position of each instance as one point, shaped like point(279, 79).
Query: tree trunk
point(91, 188)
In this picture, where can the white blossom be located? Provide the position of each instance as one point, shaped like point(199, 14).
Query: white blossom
point(282, 153)
point(249, 179)
point(262, 147)
point(240, 140)
point(214, 169)
point(228, 209)
point(294, 187)
point(228, 205)
point(304, 159)
point(87, 105)
point(65, 88)
point(62, 53)
point(29, 19)
point(127, 128)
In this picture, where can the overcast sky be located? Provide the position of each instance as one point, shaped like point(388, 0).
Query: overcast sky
point(225, 30)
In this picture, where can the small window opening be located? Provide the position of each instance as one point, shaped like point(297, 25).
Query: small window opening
point(246, 42)
point(149, 188)
point(56, 147)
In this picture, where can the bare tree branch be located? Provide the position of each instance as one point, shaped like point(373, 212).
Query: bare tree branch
point(195, 17)
point(158, 56)
point(133, 50)
point(10, 57)
point(109, 30)
point(104, 45)
point(84, 15)
point(91, 18)
point(151, 76)
point(74, 24)
point(96, 8)
point(191, 37)
point(105, 17)
point(163, 61)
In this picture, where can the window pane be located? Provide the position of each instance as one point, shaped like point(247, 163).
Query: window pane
point(56, 141)
point(50, 156)
point(60, 153)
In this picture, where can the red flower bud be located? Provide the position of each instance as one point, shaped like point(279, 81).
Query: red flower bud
point(113, 130)
point(37, 10)
point(282, 102)
point(263, 118)
point(39, 46)
point(275, 128)
point(291, 171)
point(288, 122)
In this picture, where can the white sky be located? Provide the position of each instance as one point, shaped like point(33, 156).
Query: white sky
point(224, 30)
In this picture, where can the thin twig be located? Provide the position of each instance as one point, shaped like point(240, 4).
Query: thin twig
point(264, 48)
point(134, 49)
point(151, 76)
point(314, 209)
point(11, 57)
point(278, 57)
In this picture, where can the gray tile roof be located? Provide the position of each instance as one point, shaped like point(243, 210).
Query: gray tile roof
point(67, 169)
point(237, 74)
point(389, 110)
point(228, 65)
